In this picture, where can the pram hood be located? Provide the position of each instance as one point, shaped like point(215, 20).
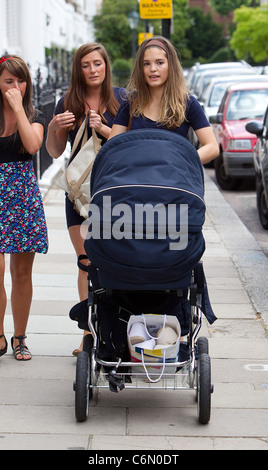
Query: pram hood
point(147, 211)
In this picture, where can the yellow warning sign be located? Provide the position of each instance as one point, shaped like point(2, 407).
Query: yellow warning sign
point(143, 36)
point(154, 9)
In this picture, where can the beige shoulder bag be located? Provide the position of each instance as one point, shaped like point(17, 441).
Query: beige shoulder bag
point(76, 179)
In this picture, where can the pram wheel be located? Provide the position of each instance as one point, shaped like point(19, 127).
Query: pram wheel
point(83, 392)
point(202, 345)
point(204, 388)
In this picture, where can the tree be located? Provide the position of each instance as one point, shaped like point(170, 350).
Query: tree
point(181, 23)
point(205, 36)
point(224, 8)
point(250, 39)
point(112, 28)
point(113, 31)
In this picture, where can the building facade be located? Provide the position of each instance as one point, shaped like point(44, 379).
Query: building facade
point(30, 28)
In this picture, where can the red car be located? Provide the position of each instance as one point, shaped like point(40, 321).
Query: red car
point(240, 104)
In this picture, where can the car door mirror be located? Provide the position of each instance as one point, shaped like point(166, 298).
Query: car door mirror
point(217, 119)
point(255, 127)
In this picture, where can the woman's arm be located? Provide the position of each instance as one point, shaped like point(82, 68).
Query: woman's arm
point(116, 130)
point(209, 147)
point(31, 134)
point(57, 133)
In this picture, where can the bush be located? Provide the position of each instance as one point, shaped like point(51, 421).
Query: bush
point(222, 55)
point(121, 72)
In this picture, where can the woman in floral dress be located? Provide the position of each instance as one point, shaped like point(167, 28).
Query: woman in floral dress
point(23, 229)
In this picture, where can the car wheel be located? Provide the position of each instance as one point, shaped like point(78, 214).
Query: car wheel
point(261, 204)
point(224, 181)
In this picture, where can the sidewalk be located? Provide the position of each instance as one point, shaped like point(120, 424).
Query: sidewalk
point(37, 398)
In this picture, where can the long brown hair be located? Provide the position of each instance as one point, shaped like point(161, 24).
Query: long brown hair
point(16, 66)
point(176, 94)
point(74, 99)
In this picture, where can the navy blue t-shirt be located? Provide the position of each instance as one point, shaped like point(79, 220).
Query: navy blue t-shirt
point(195, 118)
point(119, 93)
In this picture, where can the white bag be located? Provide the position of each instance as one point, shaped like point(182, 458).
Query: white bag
point(76, 179)
point(149, 351)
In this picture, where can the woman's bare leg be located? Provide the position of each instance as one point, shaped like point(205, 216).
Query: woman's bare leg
point(3, 299)
point(21, 295)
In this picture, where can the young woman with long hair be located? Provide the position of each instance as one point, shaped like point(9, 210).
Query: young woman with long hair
point(23, 229)
point(90, 90)
point(158, 98)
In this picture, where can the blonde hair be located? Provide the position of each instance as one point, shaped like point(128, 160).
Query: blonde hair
point(176, 94)
point(74, 99)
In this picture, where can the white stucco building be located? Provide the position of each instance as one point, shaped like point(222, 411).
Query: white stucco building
point(28, 27)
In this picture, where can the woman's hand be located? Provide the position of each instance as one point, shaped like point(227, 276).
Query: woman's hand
point(96, 123)
point(57, 134)
point(14, 98)
point(62, 121)
point(95, 120)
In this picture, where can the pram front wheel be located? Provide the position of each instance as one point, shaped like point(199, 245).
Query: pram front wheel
point(202, 345)
point(204, 388)
point(83, 392)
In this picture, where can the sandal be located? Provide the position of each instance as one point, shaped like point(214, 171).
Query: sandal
point(21, 349)
point(3, 351)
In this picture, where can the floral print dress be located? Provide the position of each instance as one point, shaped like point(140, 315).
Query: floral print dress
point(22, 220)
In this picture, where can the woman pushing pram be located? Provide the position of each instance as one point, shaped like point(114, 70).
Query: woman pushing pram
point(145, 223)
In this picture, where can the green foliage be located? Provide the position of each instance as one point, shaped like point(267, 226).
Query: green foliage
point(222, 55)
point(204, 37)
point(121, 72)
point(250, 39)
point(224, 8)
point(181, 22)
point(112, 28)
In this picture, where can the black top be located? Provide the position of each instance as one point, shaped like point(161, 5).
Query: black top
point(10, 146)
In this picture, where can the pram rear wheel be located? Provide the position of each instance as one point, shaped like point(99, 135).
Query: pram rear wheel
point(204, 388)
point(83, 392)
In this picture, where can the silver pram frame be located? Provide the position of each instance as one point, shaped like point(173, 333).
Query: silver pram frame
point(192, 373)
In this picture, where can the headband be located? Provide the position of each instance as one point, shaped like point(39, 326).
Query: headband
point(5, 58)
point(156, 42)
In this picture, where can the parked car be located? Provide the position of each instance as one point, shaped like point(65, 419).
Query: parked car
point(211, 97)
point(213, 94)
point(260, 157)
point(241, 102)
point(197, 68)
point(205, 77)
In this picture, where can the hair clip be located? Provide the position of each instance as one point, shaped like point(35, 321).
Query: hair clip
point(3, 59)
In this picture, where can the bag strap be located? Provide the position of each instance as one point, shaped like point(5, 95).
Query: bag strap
point(129, 122)
point(164, 324)
point(82, 136)
point(75, 191)
point(146, 371)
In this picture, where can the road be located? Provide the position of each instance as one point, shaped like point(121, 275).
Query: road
point(243, 201)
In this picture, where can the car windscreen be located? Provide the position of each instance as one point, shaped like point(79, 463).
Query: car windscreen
point(247, 104)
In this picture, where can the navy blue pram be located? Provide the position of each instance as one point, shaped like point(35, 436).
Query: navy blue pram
point(145, 244)
point(158, 169)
